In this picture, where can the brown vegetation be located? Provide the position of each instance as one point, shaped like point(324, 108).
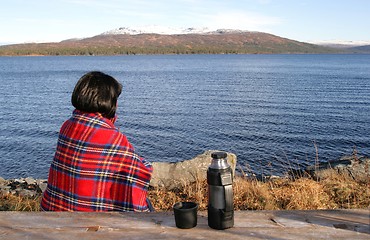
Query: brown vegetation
point(10, 202)
point(334, 192)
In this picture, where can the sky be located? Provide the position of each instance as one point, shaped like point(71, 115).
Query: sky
point(301, 20)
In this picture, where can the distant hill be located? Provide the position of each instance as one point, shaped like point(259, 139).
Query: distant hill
point(218, 42)
point(360, 49)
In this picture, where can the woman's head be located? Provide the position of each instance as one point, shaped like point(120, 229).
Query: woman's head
point(97, 92)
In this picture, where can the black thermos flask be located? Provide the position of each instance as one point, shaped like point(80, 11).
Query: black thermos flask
point(220, 192)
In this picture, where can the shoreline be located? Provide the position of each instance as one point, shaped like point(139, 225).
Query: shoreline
point(171, 176)
point(333, 191)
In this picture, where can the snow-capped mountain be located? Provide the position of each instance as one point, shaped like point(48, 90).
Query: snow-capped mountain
point(163, 30)
point(168, 30)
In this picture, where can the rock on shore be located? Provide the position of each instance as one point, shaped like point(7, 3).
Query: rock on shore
point(179, 174)
point(356, 167)
point(25, 187)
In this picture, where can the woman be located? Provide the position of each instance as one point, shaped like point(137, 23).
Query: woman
point(95, 168)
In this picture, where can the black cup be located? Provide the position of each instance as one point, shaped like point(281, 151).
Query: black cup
point(185, 214)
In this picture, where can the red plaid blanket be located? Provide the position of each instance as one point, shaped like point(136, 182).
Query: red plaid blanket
point(95, 168)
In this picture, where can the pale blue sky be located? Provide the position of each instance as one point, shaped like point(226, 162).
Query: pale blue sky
point(302, 20)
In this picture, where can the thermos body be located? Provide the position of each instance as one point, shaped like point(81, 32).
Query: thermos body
point(217, 194)
point(220, 193)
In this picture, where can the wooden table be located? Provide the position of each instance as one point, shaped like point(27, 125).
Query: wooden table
point(322, 224)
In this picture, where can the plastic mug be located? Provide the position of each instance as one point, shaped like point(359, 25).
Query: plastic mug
point(185, 214)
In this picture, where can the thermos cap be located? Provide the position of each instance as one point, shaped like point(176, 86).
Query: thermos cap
point(219, 155)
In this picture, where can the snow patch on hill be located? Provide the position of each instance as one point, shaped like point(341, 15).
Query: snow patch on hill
point(340, 43)
point(168, 30)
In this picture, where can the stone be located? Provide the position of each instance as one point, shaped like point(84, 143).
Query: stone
point(41, 181)
point(30, 180)
point(2, 181)
point(43, 186)
point(4, 189)
point(21, 187)
point(26, 193)
point(179, 174)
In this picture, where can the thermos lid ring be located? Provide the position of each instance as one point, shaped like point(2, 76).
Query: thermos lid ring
point(219, 155)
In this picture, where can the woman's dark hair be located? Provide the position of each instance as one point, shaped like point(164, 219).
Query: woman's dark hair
point(97, 92)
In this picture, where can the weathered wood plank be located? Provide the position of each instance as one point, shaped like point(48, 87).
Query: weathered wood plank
point(336, 224)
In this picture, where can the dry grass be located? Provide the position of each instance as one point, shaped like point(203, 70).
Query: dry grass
point(10, 202)
point(163, 200)
point(334, 192)
point(346, 192)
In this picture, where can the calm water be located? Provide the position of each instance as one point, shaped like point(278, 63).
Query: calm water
point(270, 110)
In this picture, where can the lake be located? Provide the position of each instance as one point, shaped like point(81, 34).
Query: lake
point(275, 112)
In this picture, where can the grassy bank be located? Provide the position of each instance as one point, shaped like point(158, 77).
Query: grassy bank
point(334, 192)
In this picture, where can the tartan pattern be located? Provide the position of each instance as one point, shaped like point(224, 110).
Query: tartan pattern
point(95, 168)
